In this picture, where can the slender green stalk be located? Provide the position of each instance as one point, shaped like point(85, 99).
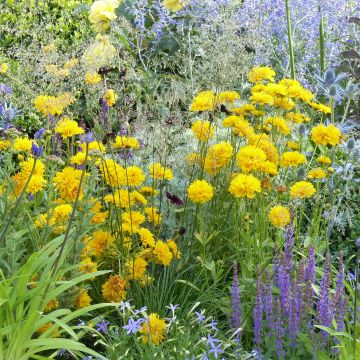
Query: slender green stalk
point(6, 228)
point(57, 261)
point(290, 40)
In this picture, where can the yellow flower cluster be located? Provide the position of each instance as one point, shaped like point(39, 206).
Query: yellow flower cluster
point(68, 128)
point(102, 12)
point(52, 105)
point(153, 329)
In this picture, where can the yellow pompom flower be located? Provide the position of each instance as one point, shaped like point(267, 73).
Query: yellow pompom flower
point(204, 101)
point(92, 78)
point(322, 159)
point(131, 221)
point(79, 158)
point(5, 144)
point(88, 266)
point(250, 158)
point(110, 97)
point(68, 128)
point(163, 253)
point(174, 5)
point(292, 158)
point(293, 145)
point(261, 73)
point(22, 144)
point(136, 268)
point(200, 191)
point(262, 98)
point(146, 237)
point(279, 123)
point(320, 107)
point(245, 186)
point(102, 12)
point(302, 189)
point(113, 290)
point(67, 183)
point(148, 191)
point(100, 242)
point(60, 213)
point(326, 135)
point(82, 300)
point(228, 97)
point(123, 142)
point(297, 118)
point(159, 172)
point(51, 105)
point(132, 176)
point(279, 216)
point(217, 156)
point(112, 172)
point(53, 304)
point(316, 173)
point(203, 130)
point(153, 330)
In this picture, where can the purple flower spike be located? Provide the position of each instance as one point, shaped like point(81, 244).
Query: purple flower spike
point(324, 308)
point(258, 314)
point(269, 306)
point(279, 331)
point(36, 150)
point(310, 276)
point(235, 299)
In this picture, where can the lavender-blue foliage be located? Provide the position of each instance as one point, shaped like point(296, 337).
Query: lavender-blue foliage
point(235, 299)
point(258, 313)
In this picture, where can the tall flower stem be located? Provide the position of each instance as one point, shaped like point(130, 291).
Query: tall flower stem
point(6, 228)
point(57, 261)
point(290, 40)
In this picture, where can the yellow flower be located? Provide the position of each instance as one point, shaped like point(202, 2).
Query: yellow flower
point(100, 242)
point(228, 97)
point(284, 103)
point(204, 101)
point(326, 135)
point(88, 266)
point(292, 158)
point(5, 144)
point(302, 189)
point(269, 167)
point(92, 78)
point(262, 98)
point(102, 12)
point(293, 145)
point(95, 145)
point(174, 5)
point(41, 221)
point(153, 215)
point(99, 54)
point(122, 142)
point(71, 63)
point(279, 216)
point(68, 128)
point(146, 237)
point(200, 191)
point(241, 127)
point(157, 171)
point(53, 304)
point(4, 68)
point(203, 130)
point(217, 156)
point(79, 158)
point(82, 300)
point(113, 290)
point(153, 330)
point(132, 176)
point(22, 144)
point(137, 198)
point(60, 213)
point(317, 173)
point(173, 248)
point(163, 253)
point(279, 123)
point(136, 268)
point(110, 97)
point(320, 107)
point(250, 158)
point(112, 172)
point(51, 105)
point(297, 118)
point(131, 221)
point(322, 159)
point(261, 73)
point(67, 183)
point(245, 186)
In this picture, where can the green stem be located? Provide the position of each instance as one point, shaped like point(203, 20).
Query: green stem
point(6, 228)
point(291, 49)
